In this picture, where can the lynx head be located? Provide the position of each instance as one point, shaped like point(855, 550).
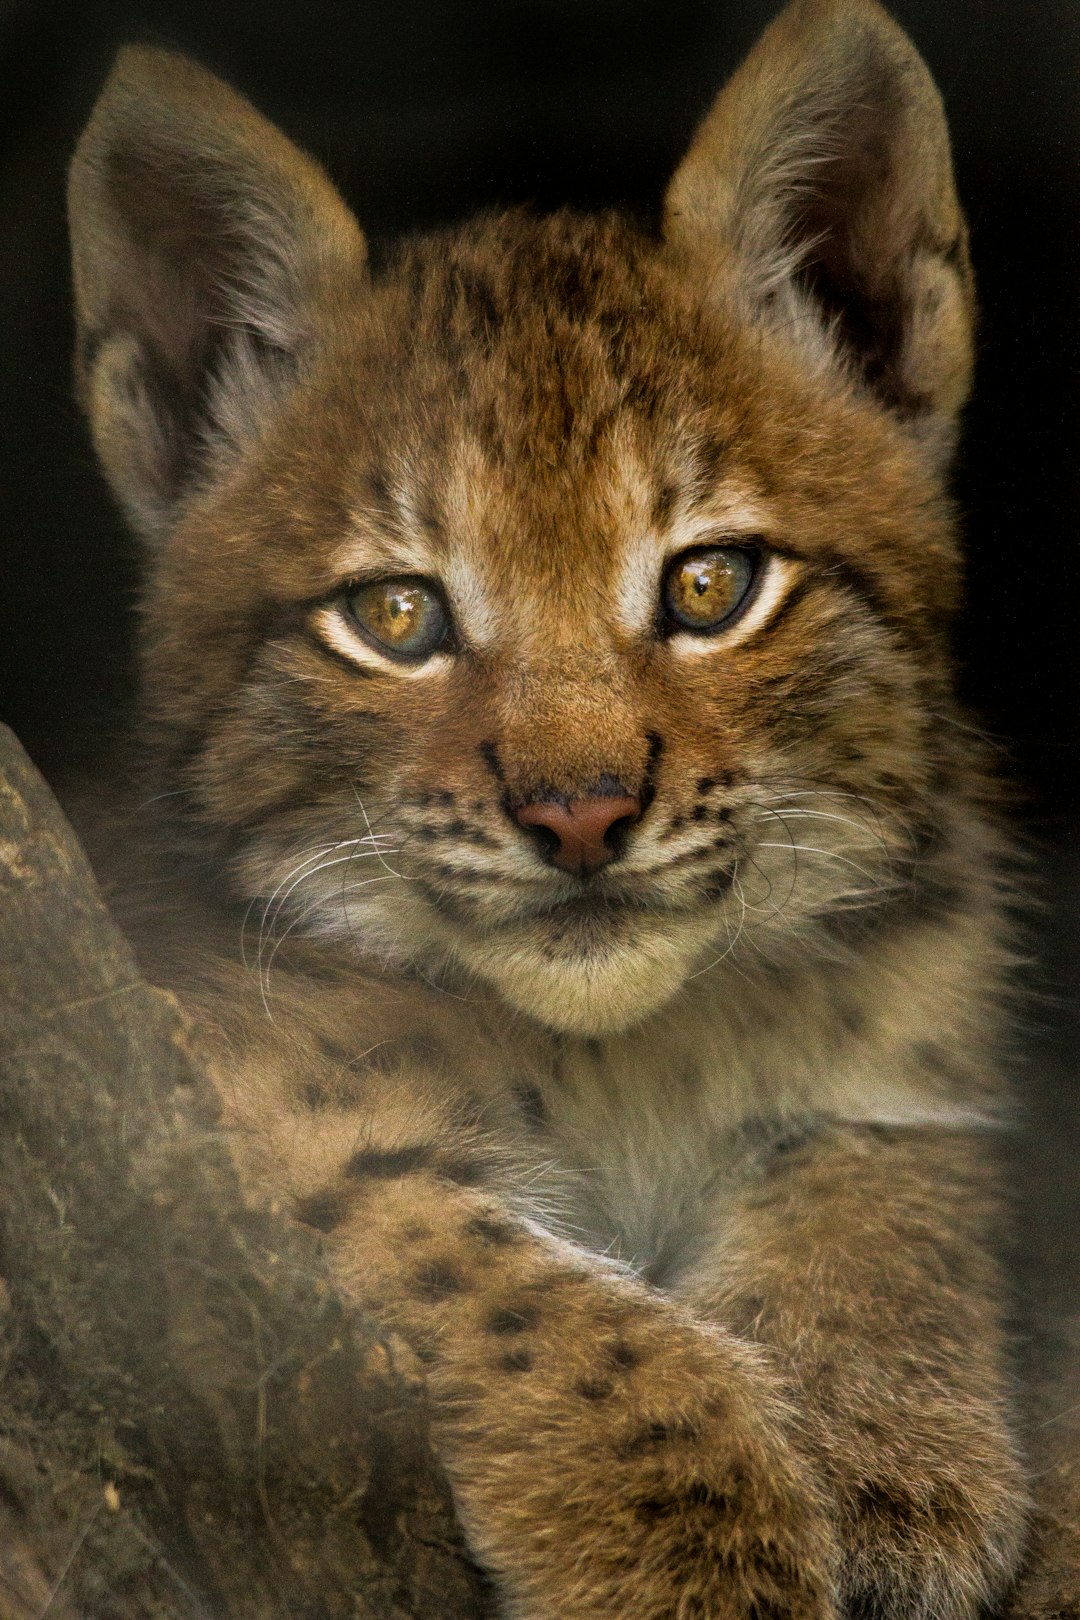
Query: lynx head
point(565, 603)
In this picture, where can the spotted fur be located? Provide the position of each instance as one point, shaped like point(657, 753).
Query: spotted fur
point(677, 1175)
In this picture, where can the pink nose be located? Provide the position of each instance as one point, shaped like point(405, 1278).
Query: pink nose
point(580, 828)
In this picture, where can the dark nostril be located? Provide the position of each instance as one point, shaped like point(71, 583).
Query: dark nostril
point(580, 835)
point(616, 835)
point(546, 840)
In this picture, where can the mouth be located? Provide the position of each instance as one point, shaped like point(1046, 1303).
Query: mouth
point(568, 922)
point(588, 912)
point(612, 907)
point(599, 907)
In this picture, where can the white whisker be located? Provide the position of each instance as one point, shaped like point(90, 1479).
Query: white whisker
point(829, 855)
point(314, 906)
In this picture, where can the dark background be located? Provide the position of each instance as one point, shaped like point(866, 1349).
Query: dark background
point(424, 110)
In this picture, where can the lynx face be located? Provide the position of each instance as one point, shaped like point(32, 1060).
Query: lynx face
point(564, 605)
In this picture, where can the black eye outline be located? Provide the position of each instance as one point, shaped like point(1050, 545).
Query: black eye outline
point(670, 621)
point(442, 640)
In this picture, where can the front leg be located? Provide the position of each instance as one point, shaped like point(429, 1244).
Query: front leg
point(610, 1457)
point(863, 1257)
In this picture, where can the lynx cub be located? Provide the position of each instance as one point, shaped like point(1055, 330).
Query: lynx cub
point(547, 674)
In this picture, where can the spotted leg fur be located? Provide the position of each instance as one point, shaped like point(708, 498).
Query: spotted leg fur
point(609, 1455)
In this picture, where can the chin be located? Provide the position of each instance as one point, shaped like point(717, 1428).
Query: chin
point(588, 975)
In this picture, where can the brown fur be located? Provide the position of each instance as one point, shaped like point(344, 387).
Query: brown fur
point(679, 1178)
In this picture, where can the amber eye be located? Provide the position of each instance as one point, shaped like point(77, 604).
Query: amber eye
point(704, 588)
point(406, 618)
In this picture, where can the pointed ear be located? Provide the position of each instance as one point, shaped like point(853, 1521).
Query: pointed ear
point(207, 250)
point(820, 187)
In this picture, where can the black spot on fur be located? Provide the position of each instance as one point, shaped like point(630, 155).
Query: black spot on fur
point(930, 1055)
point(385, 1165)
point(428, 514)
point(853, 1018)
point(436, 1280)
point(655, 1436)
point(624, 1356)
point(594, 1389)
point(651, 1508)
point(480, 304)
point(793, 1140)
point(379, 486)
point(487, 1229)
point(506, 1321)
point(325, 1211)
point(490, 756)
point(415, 1232)
point(663, 505)
point(710, 463)
point(700, 812)
point(652, 767)
point(517, 1360)
point(881, 1502)
point(763, 1608)
point(678, 1505)
point(472, 834)
point(463, 1171)
point(530, 1099)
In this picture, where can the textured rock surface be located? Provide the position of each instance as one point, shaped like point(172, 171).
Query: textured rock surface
point(190, 1423)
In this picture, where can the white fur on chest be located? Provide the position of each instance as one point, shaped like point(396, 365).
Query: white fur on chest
point(657, 1124)
point(646, 1148)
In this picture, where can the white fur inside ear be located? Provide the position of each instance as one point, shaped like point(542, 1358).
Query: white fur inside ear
point(817, 198)
point(250, 377)
point(208, 253)
point(132, 434)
